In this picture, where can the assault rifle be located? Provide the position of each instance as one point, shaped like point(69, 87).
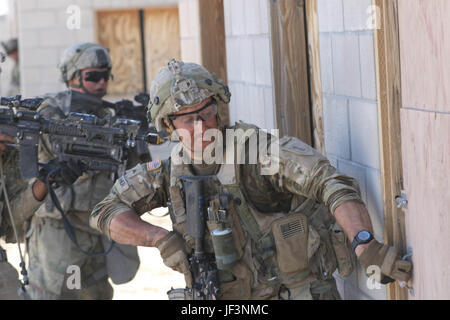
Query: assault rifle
point(98, 143)
point(123, 109)
point(205, 276)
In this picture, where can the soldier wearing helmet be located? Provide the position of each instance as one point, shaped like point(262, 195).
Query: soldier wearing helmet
point(12, 51)
point(86, 69)
point(269, 234)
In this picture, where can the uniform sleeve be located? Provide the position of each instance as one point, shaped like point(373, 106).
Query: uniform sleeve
point(141, 189)
point(304, 171)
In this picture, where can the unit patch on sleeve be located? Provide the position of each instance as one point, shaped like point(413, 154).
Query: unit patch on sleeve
point(153, 165)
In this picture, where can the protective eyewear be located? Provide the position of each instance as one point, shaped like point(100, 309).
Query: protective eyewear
point(96, 76)
point(206, 113)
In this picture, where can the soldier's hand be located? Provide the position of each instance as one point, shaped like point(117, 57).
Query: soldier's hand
point(387, 258)
point(173, 252)
point(5, 138)
point(64, 172)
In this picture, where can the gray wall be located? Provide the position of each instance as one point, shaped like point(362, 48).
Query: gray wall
point(44, 35)
point(350, 111)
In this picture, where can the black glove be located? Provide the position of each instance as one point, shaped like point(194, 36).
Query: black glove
point(63, 173)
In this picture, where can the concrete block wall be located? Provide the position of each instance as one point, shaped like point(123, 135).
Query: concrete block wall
point(350, 110)
point(247, 31)
point(44, 35)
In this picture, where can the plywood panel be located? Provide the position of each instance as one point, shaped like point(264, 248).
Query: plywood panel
point(389, 100)
point(426, 156)
point(315, 75)
point(425, 52)
point(120, 32)
point(290, 69)
point(162, 39)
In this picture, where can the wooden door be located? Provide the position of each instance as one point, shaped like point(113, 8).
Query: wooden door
point(162, 39)
point(120, 32)
point(425, 136)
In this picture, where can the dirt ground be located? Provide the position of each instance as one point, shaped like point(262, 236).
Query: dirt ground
point(153, 278)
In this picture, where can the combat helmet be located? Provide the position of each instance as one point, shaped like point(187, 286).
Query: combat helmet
point(81, 56)
point(10, 46)
point(181, 85)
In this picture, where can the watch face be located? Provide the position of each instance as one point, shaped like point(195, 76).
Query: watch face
point(364, 235)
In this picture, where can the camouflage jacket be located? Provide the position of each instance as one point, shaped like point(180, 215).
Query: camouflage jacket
point(20, 195)
point(304, 182)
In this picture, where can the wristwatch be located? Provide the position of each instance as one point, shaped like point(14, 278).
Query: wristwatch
point(361, 237)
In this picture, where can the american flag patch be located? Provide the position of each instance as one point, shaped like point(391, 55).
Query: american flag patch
point(151, 166)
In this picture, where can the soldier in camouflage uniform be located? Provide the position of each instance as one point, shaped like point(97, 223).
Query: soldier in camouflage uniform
point(289, 226)
point(86, 69)
point(24, 197)
point(12, 50)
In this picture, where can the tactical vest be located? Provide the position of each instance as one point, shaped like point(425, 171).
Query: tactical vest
point(273, 250)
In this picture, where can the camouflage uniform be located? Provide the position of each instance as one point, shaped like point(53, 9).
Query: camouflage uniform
point(14, 83)
point(51, 251)
point(22, 201)
point(286, 240)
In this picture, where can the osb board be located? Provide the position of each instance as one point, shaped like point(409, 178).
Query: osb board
point(389, 99)
point(290, 69)
point(162, 39)
point(426, 163)
point(120, 32)
point(315, 74)
point(425, 52)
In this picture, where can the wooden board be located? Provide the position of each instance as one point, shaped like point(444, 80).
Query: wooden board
point(312, 23)
point(120, 32)
point(290, 69)
point(389, 99)
point(425, 133)
point(212, 43)
point(425, 62)
point(162, 39)
point(426, 150)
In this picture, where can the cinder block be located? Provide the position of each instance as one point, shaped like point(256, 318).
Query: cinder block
point(37, 20)
point(364, 133)
point(56, 37)
point(264, 16)
point(183, 14)
point(367, 56)
point(238, 17)
point(346, 65)
point(232, 105)
point(29, 39)
point(357, 172)
point(26, 5)
point(263, 64)
point(255, 106)
point(238, 101)
point(326, 63)
point(247, 57)
point(330, 15)
point(227, 17)
point(336, 127)
point(252, 19)
point(52, 4)
point(356, 14)
point(190, 50)
point(194, 18)
point(233, 59)
point(39, 58)
point(101, 4)
point(269, 108)
point(375, 201)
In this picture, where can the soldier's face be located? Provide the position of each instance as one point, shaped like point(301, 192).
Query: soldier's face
point(94, 84)
point(192, 125)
